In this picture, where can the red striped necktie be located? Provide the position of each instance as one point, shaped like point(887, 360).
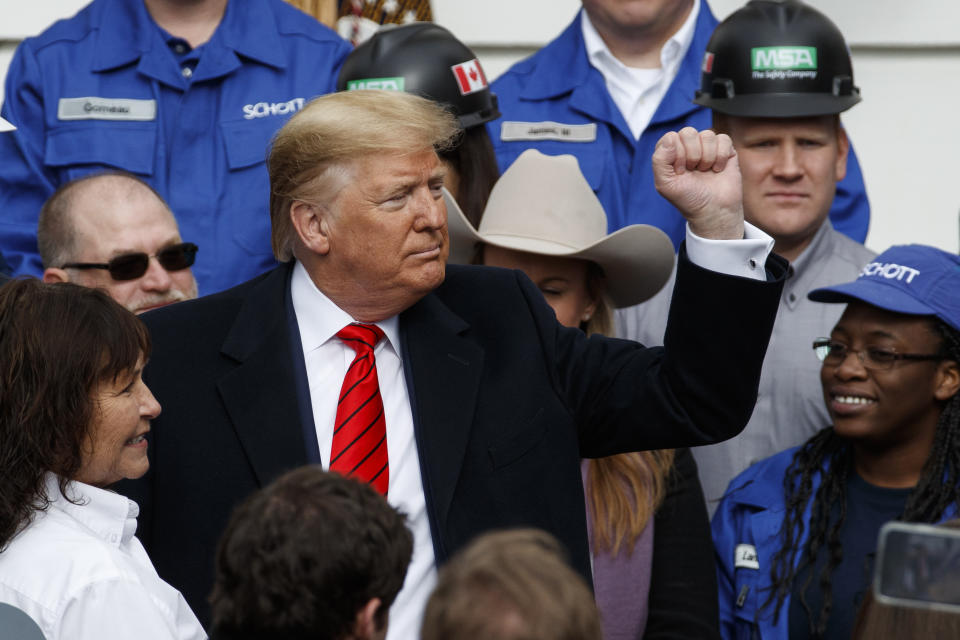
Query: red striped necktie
point(360, 431)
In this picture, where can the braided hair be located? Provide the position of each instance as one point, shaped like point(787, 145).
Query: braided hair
point(937, 489)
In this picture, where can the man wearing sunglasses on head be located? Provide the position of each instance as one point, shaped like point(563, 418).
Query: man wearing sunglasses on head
point(114, 232)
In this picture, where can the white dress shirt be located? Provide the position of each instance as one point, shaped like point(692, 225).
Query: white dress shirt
point(327, 358)
point(638, 92)
point(81, 574)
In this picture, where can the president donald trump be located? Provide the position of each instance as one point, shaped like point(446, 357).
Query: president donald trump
point(451, 389)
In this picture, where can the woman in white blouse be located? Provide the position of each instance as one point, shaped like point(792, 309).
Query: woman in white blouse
point(74, 417)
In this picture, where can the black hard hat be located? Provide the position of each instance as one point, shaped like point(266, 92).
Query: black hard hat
point(426, 59)
point(779, 59)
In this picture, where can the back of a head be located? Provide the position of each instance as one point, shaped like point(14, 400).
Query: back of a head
point(777, 59)
point(878, 621)
point(303, 556)
point(511, 585)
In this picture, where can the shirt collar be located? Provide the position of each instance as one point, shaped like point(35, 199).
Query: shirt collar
point(126, 32)
point(319, 318)
point(671, 54)
point(110, 516)
point(249, 27)
point(803, 273)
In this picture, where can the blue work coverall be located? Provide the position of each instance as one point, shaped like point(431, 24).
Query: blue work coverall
point(558, 85)
point(746, 528)
point(105, 90)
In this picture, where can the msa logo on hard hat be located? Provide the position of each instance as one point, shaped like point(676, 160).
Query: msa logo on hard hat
point(777, 58)
point(384, 84)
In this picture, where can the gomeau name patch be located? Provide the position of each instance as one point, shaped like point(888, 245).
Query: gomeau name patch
point(94, 108)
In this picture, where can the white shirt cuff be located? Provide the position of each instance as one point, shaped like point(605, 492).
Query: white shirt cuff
point(745, 258)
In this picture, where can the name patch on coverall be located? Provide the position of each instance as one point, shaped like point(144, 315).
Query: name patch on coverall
point(93, 108)
point(512, 131)
point(745, 556)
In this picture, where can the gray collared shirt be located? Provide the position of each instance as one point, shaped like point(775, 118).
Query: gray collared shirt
point(790, 406)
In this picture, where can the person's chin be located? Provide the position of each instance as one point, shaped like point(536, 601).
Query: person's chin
point(136, 467)
point(150, 305)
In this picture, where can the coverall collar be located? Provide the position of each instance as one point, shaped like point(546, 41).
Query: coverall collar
point(126, 32)
point(568, 52)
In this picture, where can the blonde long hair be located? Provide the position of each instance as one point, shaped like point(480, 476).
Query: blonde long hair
point(625, 490)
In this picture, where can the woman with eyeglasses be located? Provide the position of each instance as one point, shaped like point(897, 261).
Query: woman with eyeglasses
point(796, 533)
point(74, 418)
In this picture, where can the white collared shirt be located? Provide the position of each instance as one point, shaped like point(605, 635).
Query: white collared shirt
point(81, 574)
point(638, 92)
point(327, 359)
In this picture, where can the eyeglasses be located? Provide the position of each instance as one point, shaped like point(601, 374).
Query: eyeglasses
point(835, 353)
point(131, 266)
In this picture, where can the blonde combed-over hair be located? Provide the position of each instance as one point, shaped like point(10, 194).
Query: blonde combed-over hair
point(334, 130)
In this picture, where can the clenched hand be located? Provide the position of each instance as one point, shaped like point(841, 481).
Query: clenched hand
point(698, 172)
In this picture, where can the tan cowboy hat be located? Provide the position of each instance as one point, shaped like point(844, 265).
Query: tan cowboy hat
point(543, 204)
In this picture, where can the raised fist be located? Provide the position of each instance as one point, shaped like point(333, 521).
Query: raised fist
point(698, 172)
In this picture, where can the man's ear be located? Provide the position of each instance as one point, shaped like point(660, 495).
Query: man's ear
point(52, 275)
point(949, 381)
point(312, 225)
point(365, 626)
point(843, 150)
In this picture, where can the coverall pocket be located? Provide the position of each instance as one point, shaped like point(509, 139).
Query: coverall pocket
point(246, 143)
point(120, 145)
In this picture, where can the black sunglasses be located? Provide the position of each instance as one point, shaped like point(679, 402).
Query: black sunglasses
point(131, 266)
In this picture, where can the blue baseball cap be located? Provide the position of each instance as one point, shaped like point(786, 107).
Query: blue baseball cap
point(912, 278)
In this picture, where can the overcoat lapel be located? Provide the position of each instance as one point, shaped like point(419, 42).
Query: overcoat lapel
point(442, 369)
point(259, 394)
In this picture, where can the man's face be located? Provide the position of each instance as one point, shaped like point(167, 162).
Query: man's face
point(387, 228)
point(110, 222)
point(658, 18)
point(790, 169)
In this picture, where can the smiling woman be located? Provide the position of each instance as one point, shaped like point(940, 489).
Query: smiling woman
point(891, 382)
point(74, 414)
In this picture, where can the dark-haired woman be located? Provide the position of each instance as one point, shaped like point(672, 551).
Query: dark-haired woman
point(796, 533)
point(74, 416)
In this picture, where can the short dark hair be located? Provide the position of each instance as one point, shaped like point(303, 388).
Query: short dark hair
point(57, 343)
point(305, 554)
point(511, 585)
point(56, 235)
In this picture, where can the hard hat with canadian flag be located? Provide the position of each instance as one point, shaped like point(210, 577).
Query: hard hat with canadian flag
point(426, 59)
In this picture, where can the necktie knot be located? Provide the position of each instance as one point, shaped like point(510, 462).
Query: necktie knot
point(362, 338)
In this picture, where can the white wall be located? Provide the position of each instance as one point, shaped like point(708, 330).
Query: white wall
point(906, 62)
